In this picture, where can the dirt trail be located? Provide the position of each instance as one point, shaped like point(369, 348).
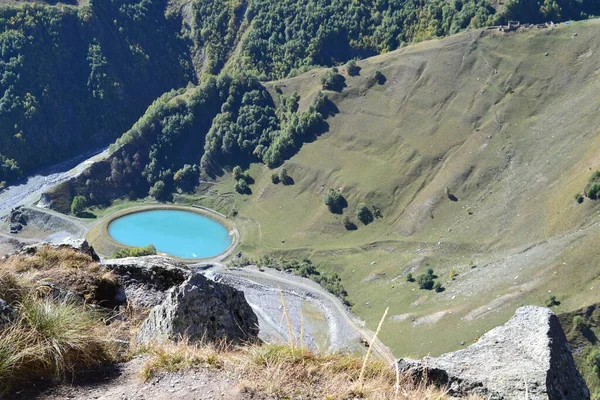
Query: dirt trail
point(125, 383)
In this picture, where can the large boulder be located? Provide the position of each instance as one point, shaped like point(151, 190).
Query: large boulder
point(201, 309)
point(528, 357)
point(147, 279)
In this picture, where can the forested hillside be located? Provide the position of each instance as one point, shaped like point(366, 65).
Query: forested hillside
point(76, 77)
point(223, 121)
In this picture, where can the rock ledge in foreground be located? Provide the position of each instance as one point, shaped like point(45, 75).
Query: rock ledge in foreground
point(530, 350)
point(201, 309)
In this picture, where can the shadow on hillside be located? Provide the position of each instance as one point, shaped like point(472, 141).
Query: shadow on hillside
point(329, 109)
point(589, 334)
point(338, 85)
point(90, 379)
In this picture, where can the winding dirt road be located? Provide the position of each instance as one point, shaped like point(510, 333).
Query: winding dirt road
point(344, 330)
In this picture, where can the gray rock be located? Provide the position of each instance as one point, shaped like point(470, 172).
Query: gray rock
point(530, 353)
point(80, 245)
point(7, 313)
point(15, 228)
point(147, 279)
point(17, 216)
point(201, 309)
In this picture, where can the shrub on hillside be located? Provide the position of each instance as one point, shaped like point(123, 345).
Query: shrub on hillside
point(592, 189)
point(551, 301)
point(409, 278)
point(186, 178)
point(378, 77)
point(242, 187)
point(78, 205)
point(579, 322)
point(352, 68)
point(284, 177)
point(425, 281)
point(349, 224)
point(335, 201)
point(364, 214)
point(332, 80)
point(158, 190)
point(237, 172)
point(149, 250)
point(593, 360)
point(579, 198)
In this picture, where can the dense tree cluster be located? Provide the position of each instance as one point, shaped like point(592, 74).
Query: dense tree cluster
point(73, 79)
point(363, 214)
point(287, 36)
point(250, 127)
point(224, 121)
point(535, 11)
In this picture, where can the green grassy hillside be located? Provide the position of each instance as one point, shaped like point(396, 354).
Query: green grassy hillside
point(510, 131)
point(471, 147)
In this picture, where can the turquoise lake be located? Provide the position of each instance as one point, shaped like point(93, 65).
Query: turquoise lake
point(175, 232)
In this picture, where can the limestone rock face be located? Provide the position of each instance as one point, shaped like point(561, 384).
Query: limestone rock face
point(529, 351)
point(201, 309)
point(147, 279)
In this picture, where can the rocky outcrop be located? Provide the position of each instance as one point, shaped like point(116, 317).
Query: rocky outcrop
point(16, 219)
point(528, 357)
point(147, 279)
point(201, 309)
point(80, 245)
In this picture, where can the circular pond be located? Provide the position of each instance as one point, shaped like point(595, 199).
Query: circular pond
point(178, 233)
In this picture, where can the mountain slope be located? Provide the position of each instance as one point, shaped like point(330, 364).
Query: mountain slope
point(512, 133)
point(471, 147)
point(76, 76)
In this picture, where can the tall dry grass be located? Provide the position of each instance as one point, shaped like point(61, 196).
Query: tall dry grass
point(51, 340)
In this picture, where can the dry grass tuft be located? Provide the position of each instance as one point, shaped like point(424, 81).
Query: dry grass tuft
point(45, 258)
point(63, 267)
point(280, 371)
point(175, 357)
point(51, 340)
